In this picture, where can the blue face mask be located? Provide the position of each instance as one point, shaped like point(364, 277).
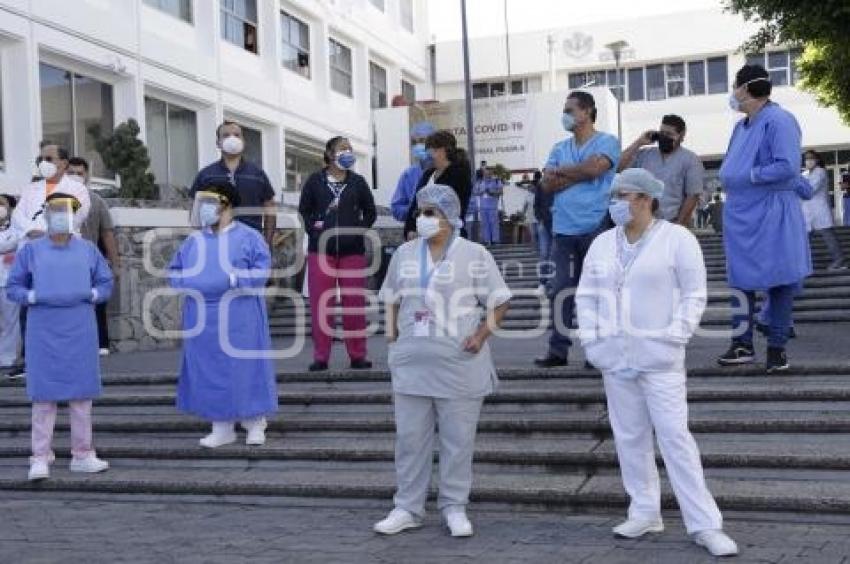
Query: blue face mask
point(621, 212)
point(208, 214)
point(346, 160)
point(58, 223)
point(568, 122)
point(421, 154)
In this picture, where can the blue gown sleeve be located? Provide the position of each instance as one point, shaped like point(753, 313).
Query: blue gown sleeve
point(780, 153)
point(175, 267)
point(19, 282)
point(254, 264)
point(404, 190)
point(102, 280)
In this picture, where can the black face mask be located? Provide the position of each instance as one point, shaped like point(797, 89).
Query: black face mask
point(666, 144)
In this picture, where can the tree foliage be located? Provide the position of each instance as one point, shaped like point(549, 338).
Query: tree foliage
point(821, 27)
point(124, 153)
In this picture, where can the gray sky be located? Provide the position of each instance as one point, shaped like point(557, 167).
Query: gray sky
point(487, 17)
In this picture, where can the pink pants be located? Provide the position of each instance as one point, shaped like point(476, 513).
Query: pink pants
point(43, 421)
point(321, 284)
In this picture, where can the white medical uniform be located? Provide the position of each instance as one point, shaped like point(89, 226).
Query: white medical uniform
point(29, 213)
point(638, 306)
point(10, 331)
point(816, 211)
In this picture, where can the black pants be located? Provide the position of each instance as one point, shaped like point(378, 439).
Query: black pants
point(102, 325)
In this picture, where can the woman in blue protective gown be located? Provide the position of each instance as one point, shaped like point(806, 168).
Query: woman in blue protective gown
point(226, 375)
point(764, 232)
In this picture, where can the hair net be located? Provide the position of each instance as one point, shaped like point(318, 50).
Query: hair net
point(444, 199)
point(421, 129)
point(637, 180)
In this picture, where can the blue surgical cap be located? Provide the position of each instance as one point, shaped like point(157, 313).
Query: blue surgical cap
point(421, 129)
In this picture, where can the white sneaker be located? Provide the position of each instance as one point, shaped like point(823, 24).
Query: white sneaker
point(541, 290)
point(104, 352)
point(89, 465)
point(256, 431)
point(636, 528)
point(716, 542)
point(39, 471)
point(222, 434)
point(458, 524)
point(397, 521)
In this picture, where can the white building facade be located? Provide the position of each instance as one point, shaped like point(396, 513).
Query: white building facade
point(293, 72)
point(680, 63)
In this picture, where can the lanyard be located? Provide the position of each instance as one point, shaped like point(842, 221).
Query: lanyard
point(424, 274)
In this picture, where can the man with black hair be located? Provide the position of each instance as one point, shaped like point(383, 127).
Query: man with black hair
point(579, 172)
point(680, 169)
point(248, 178)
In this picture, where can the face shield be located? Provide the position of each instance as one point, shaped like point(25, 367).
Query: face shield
point(206, 210)
point(59, 215)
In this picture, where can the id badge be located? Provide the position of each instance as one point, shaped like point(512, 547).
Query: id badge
point(422, 324)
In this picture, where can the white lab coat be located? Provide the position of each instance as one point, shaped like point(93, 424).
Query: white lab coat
point(10, 331)
point(29, 215)
point(816, 211)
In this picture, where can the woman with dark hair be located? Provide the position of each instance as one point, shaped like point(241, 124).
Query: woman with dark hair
point(817, 212)
point(451, 168)
point(337, 208)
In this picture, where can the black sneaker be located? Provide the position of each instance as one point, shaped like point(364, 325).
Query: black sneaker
point(318, 366)
point(361, 364)
point(550, 361)
point(16, 372)
point(738, 353)
point(777, 360)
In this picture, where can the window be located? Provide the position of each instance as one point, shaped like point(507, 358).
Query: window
point(794, 55)
point(239, 23)
point(656, 88)
point(518, 86)
point(497, 89)
point(377, 86)
point(480, 90)
point(295, 39)
point(696, 78)
point(75, 112)
point(341, 68)
point(405, 8)
point(577, 80)
point(617, 86)
point(675, 80)
point(718, 75)
point(636, 84)
point(178, 8)
point(253, 145)
point(778, 68)
point(408, 90)
point(302, 160)
point(379, 4)
point(172, 140)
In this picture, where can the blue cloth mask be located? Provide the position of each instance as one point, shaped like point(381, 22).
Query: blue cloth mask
point(621, 212)
point(208, 214)
point(568, 121)
point(346, 160)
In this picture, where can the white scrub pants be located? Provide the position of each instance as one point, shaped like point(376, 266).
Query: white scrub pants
point(658, 401)
point(10, 330)
point(415, 420)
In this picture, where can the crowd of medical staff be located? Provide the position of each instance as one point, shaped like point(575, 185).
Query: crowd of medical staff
point(621, 266)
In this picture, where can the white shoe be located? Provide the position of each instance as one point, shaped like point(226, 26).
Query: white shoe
point(39, 471)
point(89, 465)
point(397, 521)
point(716, 542)
point(222, 434)
point(459, 525)
point(256, 431)
point(541, 290)
point(104, 352)
point(636, 528)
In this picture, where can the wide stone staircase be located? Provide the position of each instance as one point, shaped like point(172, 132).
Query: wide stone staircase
point(778, 443)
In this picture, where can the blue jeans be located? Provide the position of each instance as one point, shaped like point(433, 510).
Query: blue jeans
point(568, 254)
point(544, 251)
point(779, 315)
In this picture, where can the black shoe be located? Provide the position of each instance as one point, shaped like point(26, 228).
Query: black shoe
point(738, 353)
point(361, 364)
point(15, 372)
point(550, 361)
point(318, 366)
point(762, 328)
point(777, 360)
point(792, 333)
point(588, 366)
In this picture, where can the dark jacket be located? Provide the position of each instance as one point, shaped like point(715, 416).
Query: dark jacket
point(543, 202)
point(356, 209)
point(458, 176)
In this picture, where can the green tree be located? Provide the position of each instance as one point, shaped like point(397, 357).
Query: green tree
point(820, 26)
point(124, 153)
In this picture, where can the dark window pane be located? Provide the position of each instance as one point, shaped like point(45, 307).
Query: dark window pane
point(779, 77)
point(408, 90)
point(612, 77)
point(636, 84)
point(56, 112)
point(597, 78)
point(577, 80)
point(777, 59)
point(480, 90)
point(676, 71)
point(675, 89)
point(795, 71)
point(656, 88)
point(696, 78)
point(517, 87)
point(93, 103)
point(718, 75)
point(253, 145)
point(755, 59)
point(497, 89)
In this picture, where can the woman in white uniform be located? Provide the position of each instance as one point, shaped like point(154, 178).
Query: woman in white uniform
point(641, 296)
point(817, 212)
point(444, 296)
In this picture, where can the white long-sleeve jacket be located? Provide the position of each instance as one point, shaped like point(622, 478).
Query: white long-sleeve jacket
point(643, 319)
point(29, 213)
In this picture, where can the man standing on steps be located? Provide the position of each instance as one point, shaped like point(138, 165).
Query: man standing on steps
point(249, 180)
point(764, 232)
point(579, 171)
point(680, 169)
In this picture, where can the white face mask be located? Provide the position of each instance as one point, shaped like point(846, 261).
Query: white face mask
point(232, 145)
point(78, 178)
point(427, 227)
point(47, 169)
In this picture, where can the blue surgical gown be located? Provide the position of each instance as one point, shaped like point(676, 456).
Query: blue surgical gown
point(405, 191)
point(62, 360)
point(764, 232)
point(223, 375)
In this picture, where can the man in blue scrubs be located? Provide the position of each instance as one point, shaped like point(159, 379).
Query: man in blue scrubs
point(579, 172)
point(405, 190)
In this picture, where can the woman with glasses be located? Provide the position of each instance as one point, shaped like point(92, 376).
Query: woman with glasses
point(444, 296)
